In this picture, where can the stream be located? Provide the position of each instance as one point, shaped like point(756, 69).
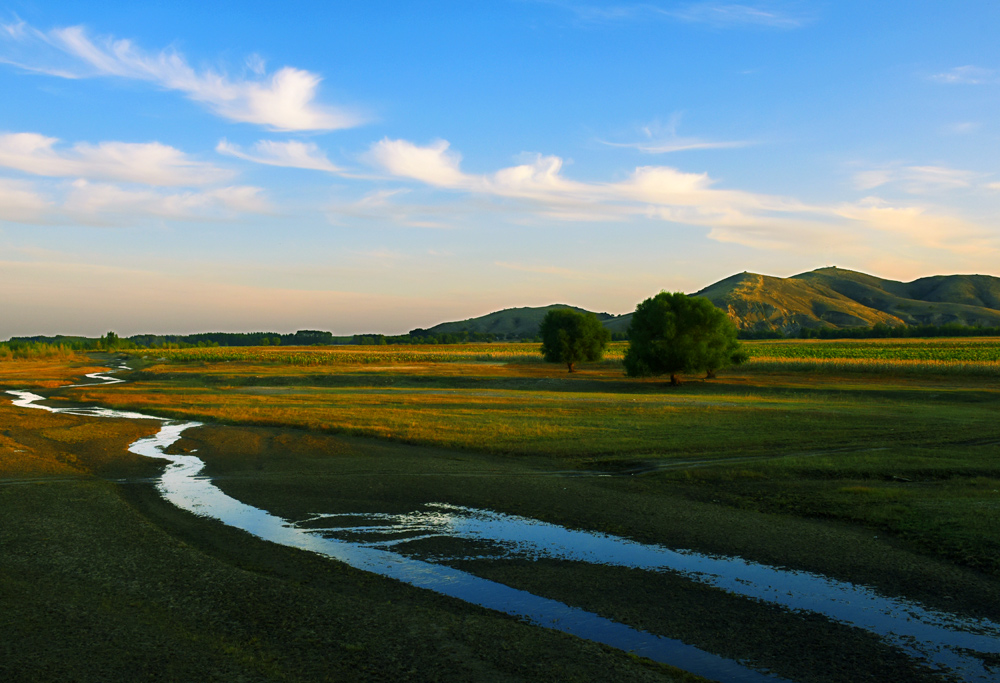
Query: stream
point(389, 545)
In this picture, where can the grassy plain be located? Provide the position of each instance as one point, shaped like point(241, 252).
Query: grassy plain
point(897, 436)
point(880, 470)
point(101, 580)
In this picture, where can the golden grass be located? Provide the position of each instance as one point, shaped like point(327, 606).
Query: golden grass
point(46, 373)
point(969, 356)
point(827, 442)
point(873, 366)
point(533, 409)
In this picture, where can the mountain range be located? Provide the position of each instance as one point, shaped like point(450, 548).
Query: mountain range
point(827, 297)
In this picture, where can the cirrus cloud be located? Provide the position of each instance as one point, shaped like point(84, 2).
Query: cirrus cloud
point(966, 75)
point(104, 203)
point(20, 203)
point(283, 100)
point(151, 163)
point(290, 154)
point(542, 182)
point(670, 195)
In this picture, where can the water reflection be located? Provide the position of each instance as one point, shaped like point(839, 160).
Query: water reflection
point(942, 638)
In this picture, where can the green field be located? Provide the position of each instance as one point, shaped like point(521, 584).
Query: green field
point(891, 442)
point(876, 464)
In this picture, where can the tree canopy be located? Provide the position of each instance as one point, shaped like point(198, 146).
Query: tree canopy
point(675, 333)
point(570, 337)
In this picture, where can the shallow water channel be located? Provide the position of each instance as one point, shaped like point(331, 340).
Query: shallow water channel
point(390, 545)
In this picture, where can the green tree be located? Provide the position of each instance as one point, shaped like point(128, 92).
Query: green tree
point(570, 337)
point(110, 341)
point(675, 333)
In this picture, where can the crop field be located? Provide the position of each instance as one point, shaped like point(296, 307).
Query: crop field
point(963, 356)
point(980, 356)
point(359, 355)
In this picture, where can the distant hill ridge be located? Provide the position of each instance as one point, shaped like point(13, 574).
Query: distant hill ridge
point(513, 323)
point(824, 298)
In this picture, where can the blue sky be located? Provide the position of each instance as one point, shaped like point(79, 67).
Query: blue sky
point(380, 166)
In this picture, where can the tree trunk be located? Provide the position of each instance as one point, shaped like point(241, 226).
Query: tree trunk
point(570, 366)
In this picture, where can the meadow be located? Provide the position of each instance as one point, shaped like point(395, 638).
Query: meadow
point(873, 461)
point(894, 435)
point(921, 356)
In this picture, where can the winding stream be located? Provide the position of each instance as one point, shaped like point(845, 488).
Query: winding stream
point(389, 545)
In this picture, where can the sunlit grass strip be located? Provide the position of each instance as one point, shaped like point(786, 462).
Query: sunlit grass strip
point(979, 350)
point(872, 365)
point(366, 355)
point(961, 356)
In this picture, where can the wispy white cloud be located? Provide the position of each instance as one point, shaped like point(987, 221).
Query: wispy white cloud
point(382, 206)
point(967, 75)
point(283, 100)
point(723, 14)
point(781, 15)
point(662, 193)
point(921, 225)
point(82, 202)
point(151, 163)
point(916, 179)
point(963, 128)
point(661, 138)
point(290, 153)
point(101, 203)
point(433, 164)
point(20, 203)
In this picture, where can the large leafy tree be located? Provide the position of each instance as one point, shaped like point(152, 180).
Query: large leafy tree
point(570, 337)
point(676, 333)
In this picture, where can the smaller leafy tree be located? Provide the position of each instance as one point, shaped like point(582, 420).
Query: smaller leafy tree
point(110, 341)
point(675, 333)
point(570, 337)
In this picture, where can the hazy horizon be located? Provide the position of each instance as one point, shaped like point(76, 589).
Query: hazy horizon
point(382, 166)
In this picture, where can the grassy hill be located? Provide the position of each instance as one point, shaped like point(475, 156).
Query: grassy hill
point(937, 300)
point(762, 302)
point(827, 297)
point(510, 322)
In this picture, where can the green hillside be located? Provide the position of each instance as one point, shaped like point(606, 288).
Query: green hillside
point(513, 323)
point(762, 302)
point(824, 298)
point(937, 300)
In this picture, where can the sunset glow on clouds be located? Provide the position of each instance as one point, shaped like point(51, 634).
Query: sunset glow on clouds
point(499, 154)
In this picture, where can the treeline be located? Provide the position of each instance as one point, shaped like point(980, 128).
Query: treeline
point(34, 350)
point(61, 346)
point(300, 338)
point(112, 341)
point(422, 336)
point(877, 331)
